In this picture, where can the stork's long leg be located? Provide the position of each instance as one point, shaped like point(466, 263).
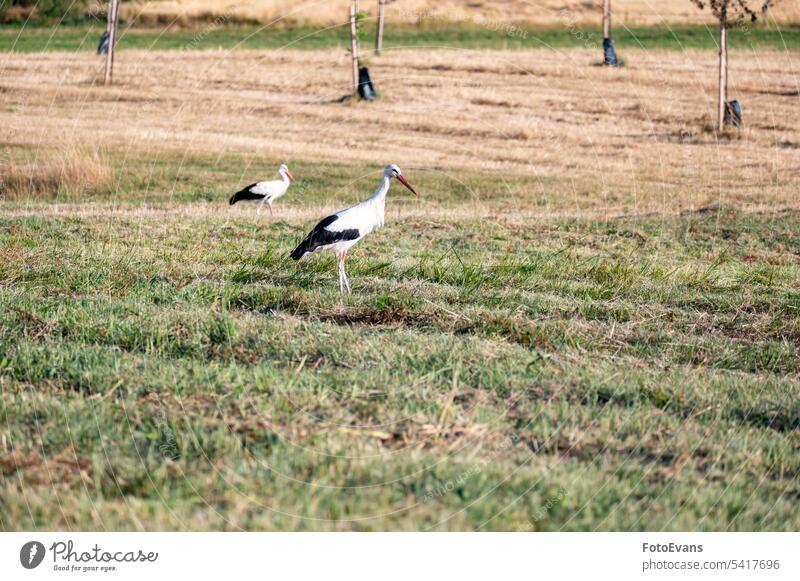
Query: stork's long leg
point(340, 259)
point(344, 274)
point(271, 213)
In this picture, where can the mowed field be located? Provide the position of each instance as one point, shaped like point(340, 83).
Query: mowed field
point(589, 320)
point(526, 12)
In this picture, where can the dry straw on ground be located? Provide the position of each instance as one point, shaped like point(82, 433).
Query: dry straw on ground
point(589, 138)
point(64, 171)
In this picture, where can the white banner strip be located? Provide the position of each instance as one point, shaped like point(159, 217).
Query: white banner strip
point(401, 556)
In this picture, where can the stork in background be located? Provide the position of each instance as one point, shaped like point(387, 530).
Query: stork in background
point(265, 192)
point(338, 232)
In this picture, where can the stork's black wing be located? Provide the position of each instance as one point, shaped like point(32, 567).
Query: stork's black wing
point(245, 194)
point(322, 236)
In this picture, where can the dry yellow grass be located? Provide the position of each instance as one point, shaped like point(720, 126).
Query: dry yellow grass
point(66, 171)
point(540, 12)
point(589, 138)
point(642, 366)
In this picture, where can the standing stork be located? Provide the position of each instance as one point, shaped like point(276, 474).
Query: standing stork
point(339, 231)
point(265, 192)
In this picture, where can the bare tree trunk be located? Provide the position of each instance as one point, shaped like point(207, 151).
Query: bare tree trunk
point(606, 18)
point(354, 46)
point(109, 16)
point(379, 32)
point(111, 28)
point(723, 71)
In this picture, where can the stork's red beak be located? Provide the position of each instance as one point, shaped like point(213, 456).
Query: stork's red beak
point(404, 181)
point(288, 173)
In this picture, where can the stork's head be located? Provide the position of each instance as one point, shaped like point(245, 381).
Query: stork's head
point(284, 171)
point(392, 171)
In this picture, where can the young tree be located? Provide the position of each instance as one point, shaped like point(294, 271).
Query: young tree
point(379, 27)
point(354, 43)
point(111, 37)
point(729, 12)
point(609, 54)
point(362, 84)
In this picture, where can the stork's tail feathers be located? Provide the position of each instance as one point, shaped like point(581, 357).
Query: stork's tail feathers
point(245, 194)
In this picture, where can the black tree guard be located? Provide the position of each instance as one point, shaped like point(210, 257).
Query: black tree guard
point(365, 89)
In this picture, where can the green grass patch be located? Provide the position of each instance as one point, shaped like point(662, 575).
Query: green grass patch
point(626, 374)
point(84, 38)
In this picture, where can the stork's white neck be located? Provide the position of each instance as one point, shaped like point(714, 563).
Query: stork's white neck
point(284, 176)
point(378, 200)
point(382, 189)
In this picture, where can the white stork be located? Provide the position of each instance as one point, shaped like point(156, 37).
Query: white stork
point(339, 231)
point(265, 192)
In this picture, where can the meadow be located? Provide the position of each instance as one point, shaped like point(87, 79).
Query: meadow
point(589, 320)
point(221, 36)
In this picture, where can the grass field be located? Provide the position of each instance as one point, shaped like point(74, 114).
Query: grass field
point(589, 320)
point(218, 36)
